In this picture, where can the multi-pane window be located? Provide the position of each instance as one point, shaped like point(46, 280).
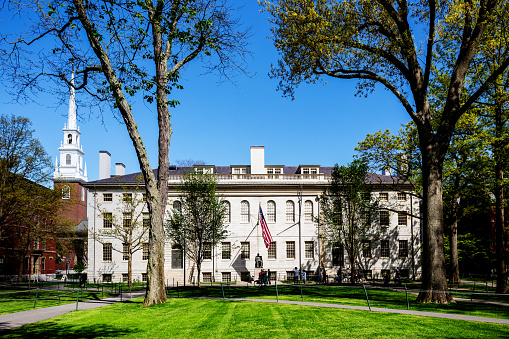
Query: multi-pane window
point(226, 277)
point(290, 249)
point(125, 251)
point(227, 212)
point(384, 249)
point(226, 250)
point(384, 196)
point(125, 277)
point(43, 263)
point(401, 196)
point(145, 251)
point(244, 251)
point(107, 252)
point(107, 197)
point(207, 276)
point(244, 211)
point(366, 196)
point(207, 251)
point(338, 255)
point(366, 249)
point(271, 211)
point(308, 211)
point(127, 197)
point(177, 257)
point(402, 219)
point(107, 277)
point(290, 211)
point(309, 249)
point(403, 248)
point(127, 219)
point(144, 277)
point(272, 275)
point(146, 219)
point(271, 252)
point(384, 218)
point(177, 206)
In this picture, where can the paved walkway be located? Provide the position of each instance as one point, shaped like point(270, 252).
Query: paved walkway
point(17, 319)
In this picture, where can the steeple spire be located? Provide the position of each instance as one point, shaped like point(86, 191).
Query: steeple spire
point(70, 165)
point(71, 115)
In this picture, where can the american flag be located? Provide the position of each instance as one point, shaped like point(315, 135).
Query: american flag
point(267, 238)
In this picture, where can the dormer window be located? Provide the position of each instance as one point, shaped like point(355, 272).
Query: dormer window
point(69, 138)
point(206, 170)
point(309, 170)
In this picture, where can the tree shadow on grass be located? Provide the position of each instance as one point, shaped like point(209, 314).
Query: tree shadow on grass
point(49, 330)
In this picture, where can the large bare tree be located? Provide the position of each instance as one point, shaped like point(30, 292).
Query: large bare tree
point(122, 49)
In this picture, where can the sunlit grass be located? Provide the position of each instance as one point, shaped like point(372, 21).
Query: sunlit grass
point(198, 318)
point(346, 295)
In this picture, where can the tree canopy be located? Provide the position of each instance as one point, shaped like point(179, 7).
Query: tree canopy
point(397, 45)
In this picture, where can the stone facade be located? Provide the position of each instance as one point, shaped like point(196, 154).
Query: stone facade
point(287, 195)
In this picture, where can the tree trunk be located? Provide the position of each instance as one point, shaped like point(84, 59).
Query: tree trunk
point(156, 292)
point(500, 232)
point(453, 242)
point(130, 268)
point(198, 267)
point(156, 190)
point(434, 279)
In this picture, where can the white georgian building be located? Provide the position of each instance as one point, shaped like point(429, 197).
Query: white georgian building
point(280, 191)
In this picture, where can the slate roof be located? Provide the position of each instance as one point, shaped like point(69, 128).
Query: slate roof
point(174, 170)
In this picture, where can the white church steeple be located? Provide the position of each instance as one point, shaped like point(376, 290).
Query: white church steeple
point(71, 167)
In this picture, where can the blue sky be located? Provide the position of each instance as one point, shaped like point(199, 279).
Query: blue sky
point(217, 123)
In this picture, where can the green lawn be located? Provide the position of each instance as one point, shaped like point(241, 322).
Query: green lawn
point(198, 318)
point(17, 301)
point(346, 295)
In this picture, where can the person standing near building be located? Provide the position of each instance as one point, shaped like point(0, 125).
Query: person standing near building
point(304, 276)
point(296, 275)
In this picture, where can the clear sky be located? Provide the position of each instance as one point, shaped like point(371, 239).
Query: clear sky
point(217, 123)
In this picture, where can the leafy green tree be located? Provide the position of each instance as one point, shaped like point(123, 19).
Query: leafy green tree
point(465, 168)
point(123, 50)
point(198, 222)
point(29, 210)
point(396, 45)
point(348, 210)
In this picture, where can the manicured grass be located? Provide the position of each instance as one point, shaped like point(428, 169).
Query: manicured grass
point(198, 318)
point(17, 301)
point(346, 295)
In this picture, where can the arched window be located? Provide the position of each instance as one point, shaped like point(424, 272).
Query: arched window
point(66, 192)
point(67, 159)
point(290, 211)
point(177, 206)
point(308, 211)
point(244, 211)
point(271, 211)
point(69, 138)
point(227, 211)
